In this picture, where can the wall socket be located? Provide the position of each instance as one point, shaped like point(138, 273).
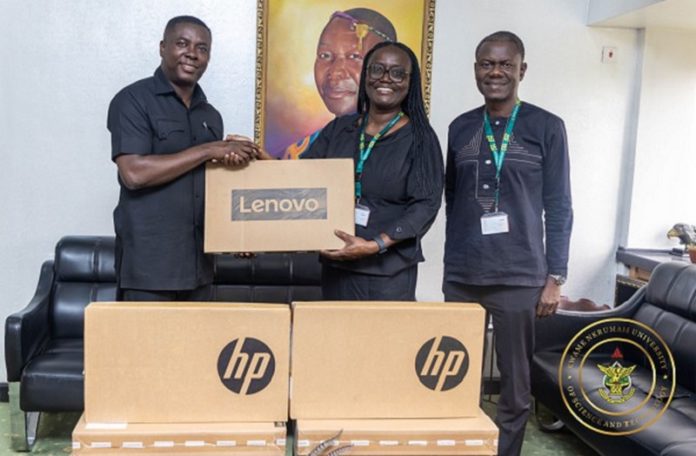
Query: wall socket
point(608, 54)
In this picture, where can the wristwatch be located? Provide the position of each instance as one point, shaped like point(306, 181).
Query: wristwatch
point(558, 278)
point(380, 243)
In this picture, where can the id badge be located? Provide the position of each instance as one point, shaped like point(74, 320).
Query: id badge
point(362, 215)
point(494, 223)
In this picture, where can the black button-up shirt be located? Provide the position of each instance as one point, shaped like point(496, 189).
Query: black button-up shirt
point(398, 207)
point(159, 230)
point(534, 193)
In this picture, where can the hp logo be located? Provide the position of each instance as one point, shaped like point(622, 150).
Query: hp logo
point(442, 363)
point(246, 365)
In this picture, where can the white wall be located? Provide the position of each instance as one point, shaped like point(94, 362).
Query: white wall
point(63, 61)
point(664, 179)
point(66, 60)
point(565, 76)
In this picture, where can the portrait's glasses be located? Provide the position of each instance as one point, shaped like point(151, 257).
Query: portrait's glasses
point(396, 73)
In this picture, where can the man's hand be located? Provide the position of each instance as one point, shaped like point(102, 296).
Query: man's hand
point(550, 298)
point(141, 171)
point(261, 154)
point(241, 152)
point(235, 150)
point(354, 249)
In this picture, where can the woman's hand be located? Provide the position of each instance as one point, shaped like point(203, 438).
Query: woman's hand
point(355, 248)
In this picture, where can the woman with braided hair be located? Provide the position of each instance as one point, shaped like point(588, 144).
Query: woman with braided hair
point(398, 183)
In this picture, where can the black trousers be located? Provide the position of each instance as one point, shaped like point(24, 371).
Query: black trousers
point(203, 294)
point(341, 285)
point(514, 311)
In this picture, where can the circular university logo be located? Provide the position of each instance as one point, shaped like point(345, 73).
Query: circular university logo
point(617, 376)
point(246, 365)
point(442, 363)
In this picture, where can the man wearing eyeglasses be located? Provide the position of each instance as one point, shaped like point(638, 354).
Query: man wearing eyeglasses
point(509, 219)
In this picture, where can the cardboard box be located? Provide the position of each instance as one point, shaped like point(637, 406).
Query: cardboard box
point(386, 360)
point(449, 436)
point(279, 205)
point(229, 439)
point(151, 362)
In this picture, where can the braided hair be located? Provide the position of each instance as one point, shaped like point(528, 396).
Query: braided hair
point(424, 138)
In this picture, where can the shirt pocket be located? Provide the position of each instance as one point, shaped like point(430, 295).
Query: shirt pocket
point(524, 159)
point(167, 129)
point(521, 170)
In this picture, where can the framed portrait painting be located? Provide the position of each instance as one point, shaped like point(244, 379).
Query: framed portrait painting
point(309, 57)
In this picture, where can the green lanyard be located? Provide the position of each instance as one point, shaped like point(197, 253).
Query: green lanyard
point(365, 153)
point(499, 155)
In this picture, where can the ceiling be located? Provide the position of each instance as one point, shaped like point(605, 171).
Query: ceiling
point(679, 14)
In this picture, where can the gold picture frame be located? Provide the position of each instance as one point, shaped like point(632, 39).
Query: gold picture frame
point(289, 107)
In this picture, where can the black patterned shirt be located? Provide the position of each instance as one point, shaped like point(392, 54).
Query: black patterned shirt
point(534, 193)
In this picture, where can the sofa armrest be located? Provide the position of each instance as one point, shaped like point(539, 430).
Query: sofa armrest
point(26, 331)
point(555, 332)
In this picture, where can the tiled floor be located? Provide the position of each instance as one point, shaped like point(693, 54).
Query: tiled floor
point(55, 429)
point(538, 443)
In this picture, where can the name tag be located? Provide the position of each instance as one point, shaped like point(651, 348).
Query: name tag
point(362, 215)
point(494, 223)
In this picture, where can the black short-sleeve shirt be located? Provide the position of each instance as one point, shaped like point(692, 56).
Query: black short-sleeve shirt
point(159, 230)
point(398, 206)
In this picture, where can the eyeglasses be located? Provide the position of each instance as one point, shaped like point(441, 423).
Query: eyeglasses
point(396, 73)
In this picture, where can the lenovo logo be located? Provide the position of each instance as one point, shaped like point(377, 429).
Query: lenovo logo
point(246, 365)
point(442, 363)
point(279, 204)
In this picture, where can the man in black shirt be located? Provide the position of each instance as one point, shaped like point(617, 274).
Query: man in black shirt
point(163, 131)
point(509, 218)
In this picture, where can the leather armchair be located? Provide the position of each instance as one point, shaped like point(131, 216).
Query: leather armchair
point(667, 304)
point(44, 341)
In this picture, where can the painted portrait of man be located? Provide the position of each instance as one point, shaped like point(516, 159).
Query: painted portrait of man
point(312, 57)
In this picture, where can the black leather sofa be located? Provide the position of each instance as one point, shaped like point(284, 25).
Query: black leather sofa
point(666, 304)
point(44, 340)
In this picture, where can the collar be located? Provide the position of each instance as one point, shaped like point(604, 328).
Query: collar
point(503, 118)
point(164, 87)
